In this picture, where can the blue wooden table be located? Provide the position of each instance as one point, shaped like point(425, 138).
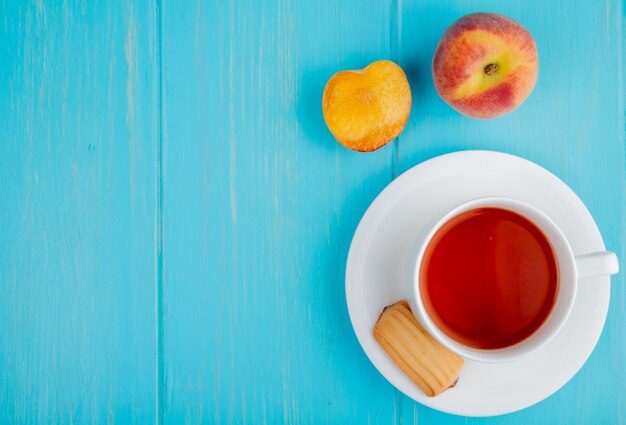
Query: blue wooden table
point(176, 216)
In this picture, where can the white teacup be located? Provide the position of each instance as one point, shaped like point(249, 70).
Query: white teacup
point(572, 272)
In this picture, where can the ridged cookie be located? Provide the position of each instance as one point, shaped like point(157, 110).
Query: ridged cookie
point(429, 364)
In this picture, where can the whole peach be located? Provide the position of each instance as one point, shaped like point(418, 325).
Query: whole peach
point(485, 65)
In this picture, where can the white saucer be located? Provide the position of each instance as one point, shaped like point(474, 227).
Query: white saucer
point(375, 275)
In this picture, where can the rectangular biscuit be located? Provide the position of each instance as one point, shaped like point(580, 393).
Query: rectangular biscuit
point(429, 364)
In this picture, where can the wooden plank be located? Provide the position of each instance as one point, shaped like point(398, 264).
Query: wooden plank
point(77, 223)
point(573, 125)
point(260, 204)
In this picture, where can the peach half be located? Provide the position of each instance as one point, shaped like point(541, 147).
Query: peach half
point(366, 109)
point(485, 65)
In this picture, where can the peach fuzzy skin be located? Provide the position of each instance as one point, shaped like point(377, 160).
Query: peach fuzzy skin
point(367, 109)
point(463, 66)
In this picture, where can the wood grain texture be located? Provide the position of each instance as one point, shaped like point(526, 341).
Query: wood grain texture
point(176, 216)
point(259, 207)
point(77, 223)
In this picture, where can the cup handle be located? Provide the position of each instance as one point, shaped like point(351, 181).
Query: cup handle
point(602, 263)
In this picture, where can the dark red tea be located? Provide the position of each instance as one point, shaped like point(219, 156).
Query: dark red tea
point(489, 278)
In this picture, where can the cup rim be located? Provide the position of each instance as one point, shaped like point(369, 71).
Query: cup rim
point(506, 353)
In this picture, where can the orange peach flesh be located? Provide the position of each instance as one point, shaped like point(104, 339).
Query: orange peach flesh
point(485, 65)
point(366, 109)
